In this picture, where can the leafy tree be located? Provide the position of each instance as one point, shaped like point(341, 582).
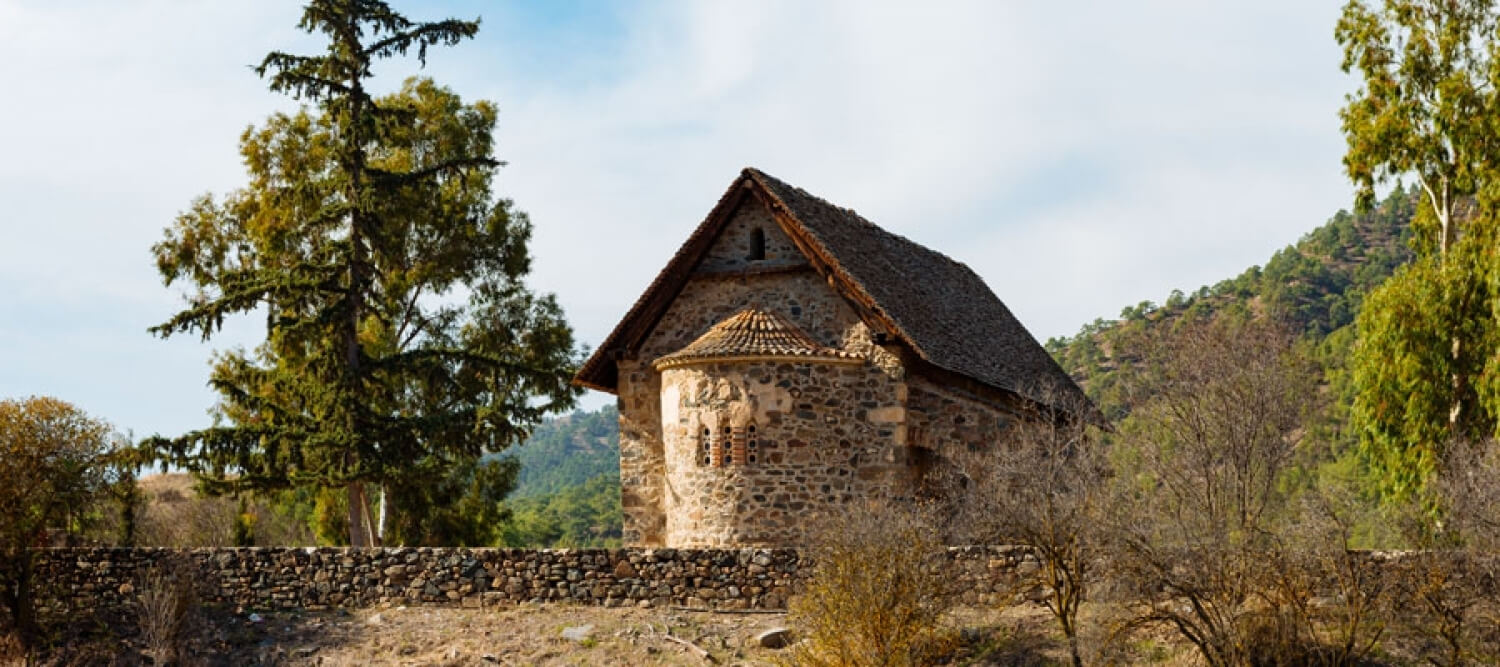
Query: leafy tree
point(1425, 105)
point(1425, 109)
point(462, 508)
point(1401, 368)
point(400, 335)
point(56, 461)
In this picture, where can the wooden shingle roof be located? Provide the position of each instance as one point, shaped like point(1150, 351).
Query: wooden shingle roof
point(938, 307)
point(754, 334)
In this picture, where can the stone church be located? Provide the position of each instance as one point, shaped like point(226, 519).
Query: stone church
point(791, 357)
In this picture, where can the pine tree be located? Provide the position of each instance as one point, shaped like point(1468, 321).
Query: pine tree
point(401, 338)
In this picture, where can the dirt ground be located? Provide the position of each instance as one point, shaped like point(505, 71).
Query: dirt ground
point(520, 635)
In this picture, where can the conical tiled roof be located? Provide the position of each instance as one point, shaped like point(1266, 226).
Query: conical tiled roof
point(754, 334)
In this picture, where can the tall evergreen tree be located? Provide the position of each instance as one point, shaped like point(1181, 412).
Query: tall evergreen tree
point(401, 338)
point(1425, 365)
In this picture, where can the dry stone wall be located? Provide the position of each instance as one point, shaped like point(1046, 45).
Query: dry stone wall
point(273, 578)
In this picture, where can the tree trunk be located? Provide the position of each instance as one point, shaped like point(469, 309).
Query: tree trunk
point(354, 163)
point(380, 522)
point(358, 536)
point(1456, 409)
point(17, 596)
point(1444, 207)
point(1070, 631)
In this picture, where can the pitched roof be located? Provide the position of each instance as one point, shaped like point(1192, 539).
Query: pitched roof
point(937, 306)
point(757, 334)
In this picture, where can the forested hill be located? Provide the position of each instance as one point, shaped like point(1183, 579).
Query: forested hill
point(568, 490)
point(568, 451)
point(1316, 285)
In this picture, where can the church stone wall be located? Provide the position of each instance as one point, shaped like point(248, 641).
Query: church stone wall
point(824, 434)
point(946, 421)
point(642, 458)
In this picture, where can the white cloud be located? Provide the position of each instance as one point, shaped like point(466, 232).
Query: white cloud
point(1205, 137)
point(1079, 156)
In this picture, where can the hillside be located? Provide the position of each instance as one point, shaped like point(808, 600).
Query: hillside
point(568, 491)
point(568, 451)
point(1315, 285)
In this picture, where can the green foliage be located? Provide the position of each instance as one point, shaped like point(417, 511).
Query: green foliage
point(567, 451)
point(573, 499)
point(1426, 100)
point(1424, 332)
point(587, 515)
point(568, 493)
point(401, 337)
point(1423, 372)
point(244, 525)
point(463, 508)
point(127, 493)
point(55, 463)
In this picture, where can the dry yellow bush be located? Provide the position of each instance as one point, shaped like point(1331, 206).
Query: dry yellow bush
point(878, 592)
point(165, 600)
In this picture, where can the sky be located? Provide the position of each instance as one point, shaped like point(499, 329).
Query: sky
point(1079, 156)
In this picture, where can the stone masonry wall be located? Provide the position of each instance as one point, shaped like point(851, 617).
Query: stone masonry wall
point(276, 578)
point(942, 420)
point(642, 457)
point(823, 434)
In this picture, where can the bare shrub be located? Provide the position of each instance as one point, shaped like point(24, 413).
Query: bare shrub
point(1448, 587)
point(1197, 550)
point(1469, 490)
point(173, 518)
point(191, 521)
point(165, 601)
point(1044, 487)
point(878, 590)
point(1355, 589)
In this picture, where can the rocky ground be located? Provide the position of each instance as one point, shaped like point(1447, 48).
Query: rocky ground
point(551, 634)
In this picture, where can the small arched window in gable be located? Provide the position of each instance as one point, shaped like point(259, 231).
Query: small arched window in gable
point(757, 244)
